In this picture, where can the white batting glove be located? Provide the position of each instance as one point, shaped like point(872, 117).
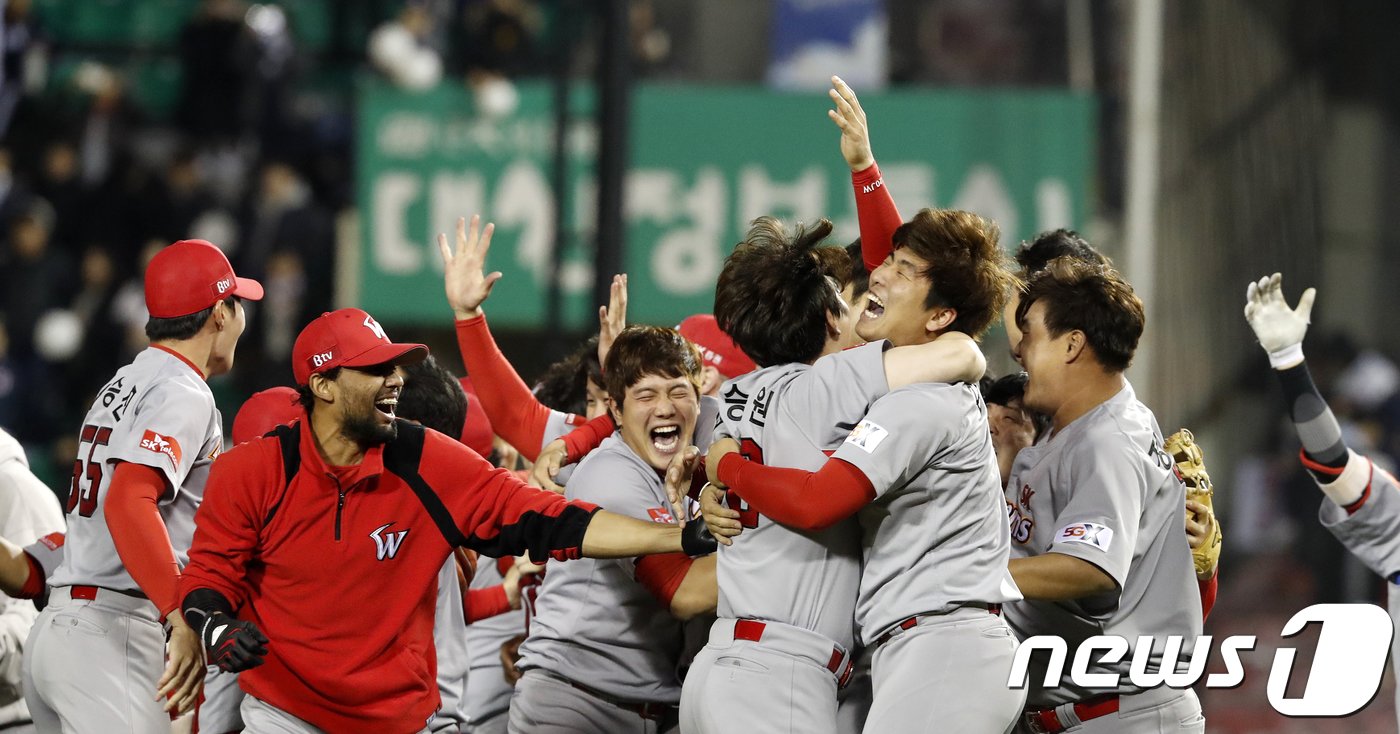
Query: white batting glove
point(1280, 329)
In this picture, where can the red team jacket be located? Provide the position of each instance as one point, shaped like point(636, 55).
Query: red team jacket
point(342, 580)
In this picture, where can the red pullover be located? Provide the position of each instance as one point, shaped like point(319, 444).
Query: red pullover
point(343, 578)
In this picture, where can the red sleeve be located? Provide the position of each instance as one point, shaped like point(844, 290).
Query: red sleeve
point(139, 533)
point(585, 438)
point(662, 574)
point(699, 479)
point(1208, 592)
point(877, 214)
point(515, 414)
point(790, 496)
point(226, 526)
point(481, 604)
point(34, 585)
point(498, 514)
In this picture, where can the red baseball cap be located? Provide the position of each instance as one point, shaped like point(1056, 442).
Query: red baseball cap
point(190, 276)
point(716, 348)
point(265, 411)
point(477, 432)
point(347, 337)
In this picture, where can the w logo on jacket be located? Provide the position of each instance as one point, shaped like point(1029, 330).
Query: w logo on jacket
point(387, 544)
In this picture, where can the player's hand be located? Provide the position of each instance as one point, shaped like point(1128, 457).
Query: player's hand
point(1278, 328)
point(1200, 530)
point(233, 644)
point(612, 318)
point(463, 272)
point(547, 466)
point(183, 678)
point(722, 522)
point(718, 450)
point(855, 132)
point(510, 655)
point(511, 583)
point(678, 477)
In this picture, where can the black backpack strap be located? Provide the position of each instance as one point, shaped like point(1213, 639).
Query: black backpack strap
point(289, 441)
point(402, 457)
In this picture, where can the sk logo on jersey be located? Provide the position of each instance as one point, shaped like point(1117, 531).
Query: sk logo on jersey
point(167, 445)
point(387, 545)
point(662, 514)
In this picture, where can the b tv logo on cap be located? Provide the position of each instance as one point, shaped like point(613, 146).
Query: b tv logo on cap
point(223, 285)
point(322, 358)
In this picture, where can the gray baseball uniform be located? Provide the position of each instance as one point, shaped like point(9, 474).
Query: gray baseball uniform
point(600, 643)
point(28, 511)
point(1372, 533)
point(1102, 490)
point(788, 416)
point(450, 644)
point(97, 650)
point(936, 548)
point(488, 693)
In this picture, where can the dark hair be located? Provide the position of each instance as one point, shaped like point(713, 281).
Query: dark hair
point(1092, 298)
point(649, 350)
point(432, 396)
point(306, 398)
point(965, 266)
point(182, 327)
point(564, 386)
point(776, 291)
point(1009, 391)
point(1033, 256)
point(860, 277)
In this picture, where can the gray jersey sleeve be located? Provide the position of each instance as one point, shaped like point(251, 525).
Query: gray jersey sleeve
point(620, 486)
point(1372, 533)
point(47, 552)
point(845, 383)
point(1099, 524)
point(167, 431)
point(899, 437)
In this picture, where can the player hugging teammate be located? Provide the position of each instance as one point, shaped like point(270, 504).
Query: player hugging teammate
point(881, 544)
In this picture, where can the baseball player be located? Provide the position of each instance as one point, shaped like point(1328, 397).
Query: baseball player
point(606, 637)
point(28, 511)
point(1097, 545)
point(329, 537)
point(1361, 501)
point(146, 445)
point(777, 299)
point(918, 472)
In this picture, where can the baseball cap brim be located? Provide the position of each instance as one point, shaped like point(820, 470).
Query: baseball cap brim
point(248, 289)
point(399, 354)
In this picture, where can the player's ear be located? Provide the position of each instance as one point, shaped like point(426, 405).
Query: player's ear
point(322, 387)
point(614, 410)
point(941, 318)
point(1075, 345)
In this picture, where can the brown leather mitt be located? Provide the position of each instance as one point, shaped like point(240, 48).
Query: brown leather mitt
point(1191, 469)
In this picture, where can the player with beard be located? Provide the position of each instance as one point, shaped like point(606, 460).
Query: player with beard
point(314, 563)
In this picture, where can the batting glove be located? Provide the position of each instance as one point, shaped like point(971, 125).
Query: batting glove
point(1280, 329)
point(232, 644)
point(696, 539)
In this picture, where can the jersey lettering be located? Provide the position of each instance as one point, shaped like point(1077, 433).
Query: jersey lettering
point(1021, 525)
point(81, 498)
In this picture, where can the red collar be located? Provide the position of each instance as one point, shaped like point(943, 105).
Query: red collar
point(180, 357)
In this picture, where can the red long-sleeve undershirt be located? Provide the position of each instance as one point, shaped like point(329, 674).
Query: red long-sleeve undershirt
point(877, 215)
point(585, 438)
point(479, 604)
point(515, 414)
point(663, 573)
point(790, 496)
point(139, 534)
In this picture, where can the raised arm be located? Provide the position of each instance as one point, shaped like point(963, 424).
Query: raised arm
point(515, 414)
point(875, 209)
point(952, 357)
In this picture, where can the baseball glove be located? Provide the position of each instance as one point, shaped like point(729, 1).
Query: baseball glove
point(1191, 470)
